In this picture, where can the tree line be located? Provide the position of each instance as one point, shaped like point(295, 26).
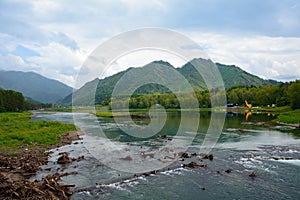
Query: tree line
point(280, 95)
point(12, 101)
point(284, 94)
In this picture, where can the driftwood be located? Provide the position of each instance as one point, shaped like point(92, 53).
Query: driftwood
point(16, 170)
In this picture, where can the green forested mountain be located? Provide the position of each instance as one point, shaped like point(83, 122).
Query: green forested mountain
point(33, 85)
point(232, 76)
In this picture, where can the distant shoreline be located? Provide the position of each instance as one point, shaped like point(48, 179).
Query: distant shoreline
point(291, 117)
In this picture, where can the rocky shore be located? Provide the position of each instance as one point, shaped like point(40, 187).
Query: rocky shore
point(17, 168)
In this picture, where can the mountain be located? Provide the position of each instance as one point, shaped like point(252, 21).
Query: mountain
point(232, 76)
point(35, 86)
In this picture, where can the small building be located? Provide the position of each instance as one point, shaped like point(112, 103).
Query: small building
point(230, 105)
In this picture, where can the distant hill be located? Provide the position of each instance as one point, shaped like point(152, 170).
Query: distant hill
point(35, 86)
point(232, 76)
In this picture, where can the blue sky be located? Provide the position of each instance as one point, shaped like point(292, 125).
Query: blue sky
point(54, 38)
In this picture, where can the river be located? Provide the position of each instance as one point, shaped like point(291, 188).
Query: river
point(246, 145)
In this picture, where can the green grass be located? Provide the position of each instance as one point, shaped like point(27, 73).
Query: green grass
point(104, 114)
point(292, 117)
point(273, 109)
point(59, 109)
point(69, 109)
point(109, 114)
point(17, 129)
point(285, 114)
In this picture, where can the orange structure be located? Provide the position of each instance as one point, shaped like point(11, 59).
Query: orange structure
point(247, 105)
point(247, 114)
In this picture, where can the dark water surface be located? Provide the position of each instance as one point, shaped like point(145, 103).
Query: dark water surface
point(245, 146)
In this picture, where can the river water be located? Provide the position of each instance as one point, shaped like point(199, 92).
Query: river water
point(245, 146)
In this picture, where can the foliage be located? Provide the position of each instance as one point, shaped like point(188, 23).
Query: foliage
point(109, 114)
point(260, 96)
point(284, 94)
point(16, 129)
point(12, 101)
point(232, 77)
point(104, 114)
point(294, 94)
point(280, 109)
point(289, 117)
point(59, 109)
point(240, 86)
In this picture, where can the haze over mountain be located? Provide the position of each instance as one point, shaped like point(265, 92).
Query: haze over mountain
point(232, 76)
point(34, 86)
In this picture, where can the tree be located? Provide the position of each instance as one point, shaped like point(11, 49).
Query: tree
point(294, 94)
point(12, 101)
point(2, 108)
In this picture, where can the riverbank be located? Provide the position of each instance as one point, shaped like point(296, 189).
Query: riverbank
point(285, 115)
point(23, 150)
point(290, 118)
point(109, 114)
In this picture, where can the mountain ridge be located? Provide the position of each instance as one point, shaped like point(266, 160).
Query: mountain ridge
point(232, 75)
point(34, 85)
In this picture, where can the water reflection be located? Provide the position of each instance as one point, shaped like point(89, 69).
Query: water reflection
point(244, 146)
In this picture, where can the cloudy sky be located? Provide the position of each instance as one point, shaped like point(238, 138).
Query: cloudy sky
point(54, 38)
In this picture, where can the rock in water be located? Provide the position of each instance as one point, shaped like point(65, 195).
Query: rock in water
point(252, 174)
point(64, 158)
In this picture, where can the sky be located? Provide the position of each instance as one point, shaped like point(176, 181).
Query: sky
point(54, 38)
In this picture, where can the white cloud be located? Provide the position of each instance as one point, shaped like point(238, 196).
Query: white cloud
point(63, 33)
point(58, 62)
point(44, 8)
point(13, 62)
point(267, 57)
point(142, 57)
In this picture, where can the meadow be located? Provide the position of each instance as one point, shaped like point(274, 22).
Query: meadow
point(17, 130)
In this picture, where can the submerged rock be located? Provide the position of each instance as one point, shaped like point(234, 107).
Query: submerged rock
point(64, 158)
point(253, 174)
point(127, 158)
point(185, 155)
point(193, 165)
point(146, 174)
point(208, 156)
point(162, 136)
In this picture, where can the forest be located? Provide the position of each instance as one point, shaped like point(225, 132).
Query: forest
point(277, 95)
point(12, 101)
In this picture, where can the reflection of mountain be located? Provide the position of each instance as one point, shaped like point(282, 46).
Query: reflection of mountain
point(232, 76)
point(34, 86)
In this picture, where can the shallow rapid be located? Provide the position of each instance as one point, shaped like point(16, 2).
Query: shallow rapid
point(253, 146)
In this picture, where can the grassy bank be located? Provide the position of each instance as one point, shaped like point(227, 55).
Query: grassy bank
point(105, 114)
point(291, 117)
point(109, 114)
point(22, 152)
point(16, 129)
point(278, 110)
point(285, 114)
